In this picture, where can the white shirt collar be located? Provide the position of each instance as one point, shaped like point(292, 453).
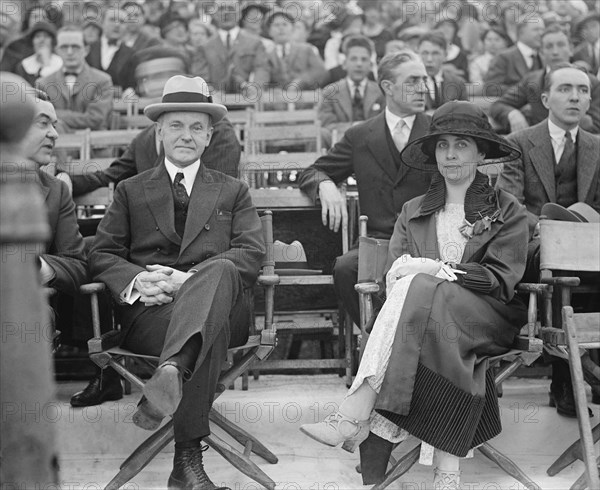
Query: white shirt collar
point(189, 173)
point(558, 134)
point(233, 34)
point(392, 120)
point(362, 85)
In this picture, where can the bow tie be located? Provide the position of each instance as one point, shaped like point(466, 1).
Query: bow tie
point(113, 42)
point(71, 74)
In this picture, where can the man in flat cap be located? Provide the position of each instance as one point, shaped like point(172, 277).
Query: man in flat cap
point(174, 236)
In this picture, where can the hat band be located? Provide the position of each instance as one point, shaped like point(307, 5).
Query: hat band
point(185, 97)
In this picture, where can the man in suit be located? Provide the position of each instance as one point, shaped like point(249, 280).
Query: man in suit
point(509, 110)
point(292, 62)
point(509, 67)
point(177, 248)
point(109, 53)
point(222, 154)
point(134, 35)
point(588, 51)
point(371, 152)
point(233, 57)
point(355, 98)
point(443, 85)
point(81, 95)
point(559, 164)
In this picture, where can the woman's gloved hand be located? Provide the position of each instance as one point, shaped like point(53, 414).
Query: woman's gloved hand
point(406, 265)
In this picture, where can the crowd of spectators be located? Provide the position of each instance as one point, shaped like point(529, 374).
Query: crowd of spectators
point(489, 43)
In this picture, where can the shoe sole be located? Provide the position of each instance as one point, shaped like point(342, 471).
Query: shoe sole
point(164, 390)
point(110, 398)
point(348, 445)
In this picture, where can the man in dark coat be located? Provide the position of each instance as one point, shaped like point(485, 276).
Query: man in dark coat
point(370, 152)
point(222, 154)
point(511, 111)
point(177, 248)
point(559, 164)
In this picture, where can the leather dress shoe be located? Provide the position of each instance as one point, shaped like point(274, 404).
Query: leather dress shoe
point(561, 397)
point(188, 471)
point(105, 386)
point(146, 416)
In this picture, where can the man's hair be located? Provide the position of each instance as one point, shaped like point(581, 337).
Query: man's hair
point(358, 41)
point(525, 21)
point(130, 4)
point(559, 66)
point(391, 61)
point(70, 28)
point(40, 95)
point(554, 29)
point(111, 10)
point(434, 37)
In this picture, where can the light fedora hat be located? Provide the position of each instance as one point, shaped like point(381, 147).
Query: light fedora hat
point(187, 94)
point(578, 212)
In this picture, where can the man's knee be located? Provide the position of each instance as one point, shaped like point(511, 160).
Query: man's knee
point(345, 268)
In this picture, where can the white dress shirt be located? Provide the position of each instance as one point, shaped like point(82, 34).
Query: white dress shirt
point(362, 86)
point(392, 120)
point(233, 34)
point(107, 52)
point(557, 136)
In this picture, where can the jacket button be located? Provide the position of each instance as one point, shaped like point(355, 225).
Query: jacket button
point(157, 228)
point(207, 226)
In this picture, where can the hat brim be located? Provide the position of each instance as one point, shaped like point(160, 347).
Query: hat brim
point(215, 111)
point(559, 213)
point(413, 154)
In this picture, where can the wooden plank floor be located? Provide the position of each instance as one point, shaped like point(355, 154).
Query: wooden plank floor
point(94, 441)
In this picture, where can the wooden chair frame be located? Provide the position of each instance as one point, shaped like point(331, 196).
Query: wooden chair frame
point(572, 247)
point(526, 349)
point(104, 352)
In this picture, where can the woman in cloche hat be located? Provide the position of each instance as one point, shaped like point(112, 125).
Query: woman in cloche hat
point(454, 260)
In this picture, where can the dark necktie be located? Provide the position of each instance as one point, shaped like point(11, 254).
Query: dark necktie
point(436, 94)
point(358, 113)
point(568, 150)
point(228, 40)
point(536, 63)
point(180, 190)
point(182, 200)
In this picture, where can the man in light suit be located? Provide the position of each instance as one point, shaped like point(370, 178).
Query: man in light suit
point(233, 57)
point(81, 95)
point(177, 248)
point(521, 106)
point(508, 67)
point(444, 86)
point(292, 62)
point(355, 98)
point(110, 54)
point(560, 163)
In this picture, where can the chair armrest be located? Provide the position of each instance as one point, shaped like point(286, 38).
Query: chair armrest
point(561, 281)
point(529, 287)
point(367, 288)
point(92, 287)
point(106, 341)
point(268, 280)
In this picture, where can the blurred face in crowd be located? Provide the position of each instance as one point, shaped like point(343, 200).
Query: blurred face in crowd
point(493, 43)
point(591, 31)
point(176, 33)
point(91, 33)
point(281, 29)
point(354, 27)
point(134, 18)
point(112, 25)
point(199, 33)
point(39, 141)
point(433, 57)
point(457, 157)
point(568, 97)
point(42, 41)
point(227, 14)
point(531, 32)
point(72, 50)
point(357, 63)
point(449, 31)
point(184, 135)
point(301, 31)
point(253, 21)
point(405, 91)
point(555, 48)
point(372, 15)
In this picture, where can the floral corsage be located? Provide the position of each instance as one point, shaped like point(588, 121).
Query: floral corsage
point(484, 223)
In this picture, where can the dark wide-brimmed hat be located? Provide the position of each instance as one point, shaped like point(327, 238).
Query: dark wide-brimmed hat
point(186, 94)
point(458, 118)
point(42, 26)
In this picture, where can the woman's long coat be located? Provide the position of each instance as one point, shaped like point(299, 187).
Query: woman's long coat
point(435, 386)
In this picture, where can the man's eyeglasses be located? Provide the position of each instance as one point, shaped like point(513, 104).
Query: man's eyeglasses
point(66, 47)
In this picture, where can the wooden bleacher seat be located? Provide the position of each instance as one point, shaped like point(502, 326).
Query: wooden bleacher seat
point(105, 351)
point(112, 139)
point(289, 98)
point(571, 248)
point(527, 348)
point(74, 142)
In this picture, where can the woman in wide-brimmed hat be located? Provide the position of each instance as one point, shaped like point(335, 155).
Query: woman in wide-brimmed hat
point(44, 62)
point(454, 260)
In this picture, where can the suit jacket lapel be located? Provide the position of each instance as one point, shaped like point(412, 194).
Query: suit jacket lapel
point(346, 99)
point(477, 241)
point(520, 63)
point(82, 80)
point(587, 164)
point(378, 145)
point(424, 235)
point(542, 158)
point(159, 197)
point(202, 205)
point(371, 96)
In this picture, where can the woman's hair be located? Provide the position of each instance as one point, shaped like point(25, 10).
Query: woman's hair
point(500, 32)
point(429, 145)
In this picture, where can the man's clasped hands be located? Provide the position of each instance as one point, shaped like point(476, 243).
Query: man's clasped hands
point(159, 284)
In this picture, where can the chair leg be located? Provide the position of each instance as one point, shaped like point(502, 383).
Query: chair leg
point(585, 429)
point(571, 454)
point(348, 351)
point(507, 465)
point(144, 453)
point(242, 436)
point(404, 464)
point(240, 461)
point(581, 482)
